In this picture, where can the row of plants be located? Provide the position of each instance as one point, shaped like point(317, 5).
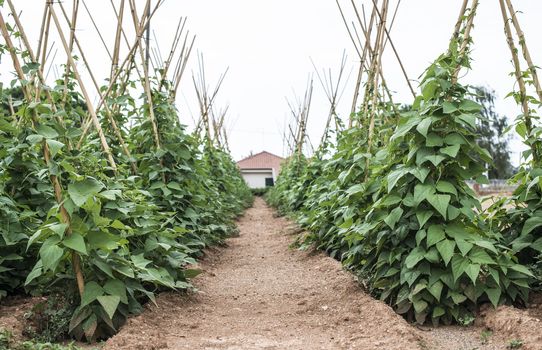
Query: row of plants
point(105, 227)
point(400, 213)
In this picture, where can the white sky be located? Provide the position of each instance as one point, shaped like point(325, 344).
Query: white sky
point(267, 44)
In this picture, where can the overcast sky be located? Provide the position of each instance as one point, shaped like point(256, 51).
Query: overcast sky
point(267, 45)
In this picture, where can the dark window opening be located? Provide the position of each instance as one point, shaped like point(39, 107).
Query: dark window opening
point(269, 182)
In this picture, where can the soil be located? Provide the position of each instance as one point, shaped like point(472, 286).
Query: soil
point(12, 314)
point(256, 293)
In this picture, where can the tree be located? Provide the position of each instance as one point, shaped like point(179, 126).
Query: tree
point(491, 134)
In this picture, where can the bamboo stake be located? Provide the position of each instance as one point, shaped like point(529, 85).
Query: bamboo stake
point(146, 85)
point(460, 19)
point(525, 49)
point(57, 187)
point(46, 33)
point(72, 36)
point(88, 102)
point(116, 50)
point(42, 30)
point(466, 39)
point(519, 78)
point(376, 65)
point(128, 59)
point(33, 58)
point(108, 112)
point(396, 54)
point(97, 30)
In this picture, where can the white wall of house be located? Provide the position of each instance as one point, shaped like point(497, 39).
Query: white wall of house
point(256, 178)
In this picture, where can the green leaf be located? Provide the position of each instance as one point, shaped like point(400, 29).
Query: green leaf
point(435, 234)
point(119, 225)
point(424, 125)
point(54, 146)
point(191, 273)
point(448, 107)
point(81, 191)
point(140, 261)
point(35, 273)
point(479, 256)
point(486, 244)
point(110, 194)
point(76, 242)
point(109, 303)
point(433, 140)
point(420, 235)
point(33, 139)
point(118, 288)
point(470, 106)
point(423, 216)
point(440, 202)
point(395, 176)
point(92, 291)
point(393, 217)
point(421, 192)
point(454, 139)
point(50, 255)
point(446, 187)
point(421, 173)
point(459, 265)
point(464, 246)
point(438, 311)
point(414, 257)
point(446, 250)
point(434, 158)
point(451, 150)
point(537, 245)
point(457, 297)
point(530, 224)
point(472, 270)
point(46, 131)
point(469, 119)
point(420, 305)
point(102, 240)
point(405, 125)
point(494, 295)
point(436, 289)
point(522, 269)
point(59, 229)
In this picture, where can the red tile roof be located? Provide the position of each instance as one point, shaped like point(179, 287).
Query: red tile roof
point(262, 160)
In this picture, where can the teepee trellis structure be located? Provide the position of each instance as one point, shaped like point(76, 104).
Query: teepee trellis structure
point(509, 15)
point(331, 89)
point(55, 181)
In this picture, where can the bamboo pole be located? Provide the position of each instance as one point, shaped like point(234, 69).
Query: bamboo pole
point(466, 39)
point(403, 70)
point(72, 37)
point(33, 58)
point(108, 112)
point(88, 102)
point(127, 59)
point(116, 50)
point(519, 78)
point(42, 29)
point(525, 49)
point(379, 47)
point(57, 187)
point(146, 83)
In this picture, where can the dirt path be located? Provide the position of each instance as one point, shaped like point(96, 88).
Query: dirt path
point(258, 294)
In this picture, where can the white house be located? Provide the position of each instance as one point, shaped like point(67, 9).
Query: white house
point(260, 170)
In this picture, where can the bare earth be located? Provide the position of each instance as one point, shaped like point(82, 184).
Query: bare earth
point(259, 294)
